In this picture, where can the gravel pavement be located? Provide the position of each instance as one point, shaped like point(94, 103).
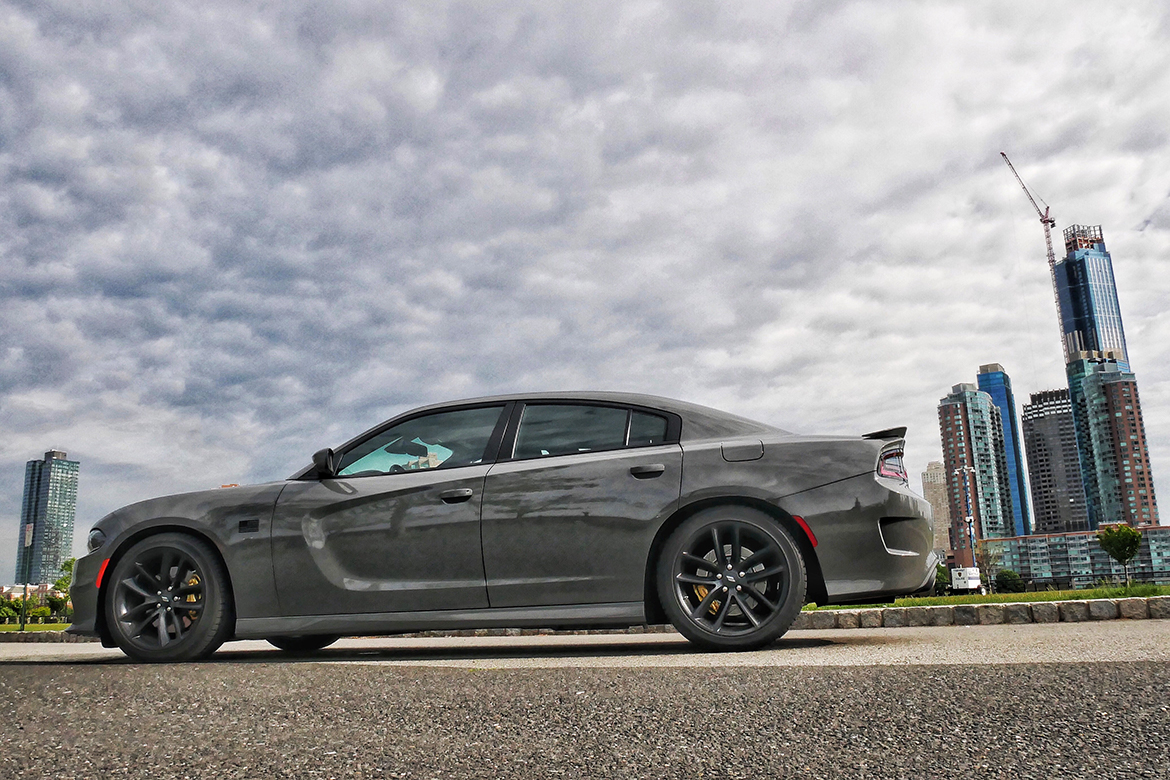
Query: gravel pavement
point(434, 708)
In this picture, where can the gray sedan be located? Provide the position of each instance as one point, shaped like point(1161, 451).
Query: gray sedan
point(552, 510)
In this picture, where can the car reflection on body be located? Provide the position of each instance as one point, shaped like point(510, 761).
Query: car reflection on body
point(553, 510)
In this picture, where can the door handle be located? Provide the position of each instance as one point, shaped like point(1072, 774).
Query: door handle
point(456, 495)
point(649, 471)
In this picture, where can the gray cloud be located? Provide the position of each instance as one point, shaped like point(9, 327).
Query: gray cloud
point(229, 236)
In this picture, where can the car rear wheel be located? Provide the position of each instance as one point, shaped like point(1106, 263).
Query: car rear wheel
point(167, 600)
point(302, 644)
point(731, 578)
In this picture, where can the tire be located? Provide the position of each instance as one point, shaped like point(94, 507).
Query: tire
point(731, 547)
point(145, 589)
point(309, 643)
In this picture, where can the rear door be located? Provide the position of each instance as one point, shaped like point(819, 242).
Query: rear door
point(570, 510)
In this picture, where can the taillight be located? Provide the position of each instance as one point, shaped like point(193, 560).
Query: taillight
point(890, 465)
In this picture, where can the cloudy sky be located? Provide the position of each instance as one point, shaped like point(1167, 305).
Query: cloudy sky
point(234, 233)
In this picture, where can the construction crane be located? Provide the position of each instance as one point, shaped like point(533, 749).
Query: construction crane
point(1048, 222)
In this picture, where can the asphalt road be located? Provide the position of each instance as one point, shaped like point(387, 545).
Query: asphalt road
point(1037, 701)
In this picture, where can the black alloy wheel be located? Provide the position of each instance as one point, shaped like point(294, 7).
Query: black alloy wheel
point(731, 578)
point(307, 643)
point(167, 600)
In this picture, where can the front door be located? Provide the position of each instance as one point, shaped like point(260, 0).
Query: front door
point(398, 528)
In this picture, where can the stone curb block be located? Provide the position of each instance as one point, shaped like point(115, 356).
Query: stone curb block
point(1102, 609)
point(989, 614)
point(871, 618)
point(894, 617)
point(965, 614)
point(848, 618)
point(825, 619)
point(1074, 611)
point(942, 616)
point(1133, 609)
point(1045, 612)
point(1159, 607)
point(917, 616)
point(1017, 614)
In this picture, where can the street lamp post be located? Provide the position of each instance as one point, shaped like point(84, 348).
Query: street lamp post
point(966, 472)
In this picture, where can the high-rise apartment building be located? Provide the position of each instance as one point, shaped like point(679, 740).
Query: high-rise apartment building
point(1107, 418)
point(994, 381)
point(46, 517)
point(1054, 471)
point(935, 489)
point(976, 467)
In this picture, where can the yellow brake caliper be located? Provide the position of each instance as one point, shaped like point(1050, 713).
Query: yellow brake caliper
point(701, 592)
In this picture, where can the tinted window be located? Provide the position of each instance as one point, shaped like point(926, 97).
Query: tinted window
point(646, 429)
point(442, 440)
point(556, 429)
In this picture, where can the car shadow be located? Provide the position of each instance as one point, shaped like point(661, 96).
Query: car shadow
point(472, 652)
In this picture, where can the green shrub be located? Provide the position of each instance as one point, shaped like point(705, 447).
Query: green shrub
point(1007, 581)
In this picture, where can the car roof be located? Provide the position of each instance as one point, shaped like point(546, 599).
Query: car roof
point(699, 422)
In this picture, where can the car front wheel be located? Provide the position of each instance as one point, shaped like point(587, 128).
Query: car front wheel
point(167, 600)
point(731, 578)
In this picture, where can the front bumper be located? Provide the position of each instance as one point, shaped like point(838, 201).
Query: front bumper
point(85, 595)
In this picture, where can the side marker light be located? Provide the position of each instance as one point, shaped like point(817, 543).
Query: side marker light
point(101, 572)
point(811, 536)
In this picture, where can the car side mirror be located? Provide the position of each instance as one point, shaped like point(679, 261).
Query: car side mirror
point(326, 462)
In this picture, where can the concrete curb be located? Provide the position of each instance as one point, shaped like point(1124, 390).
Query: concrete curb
point(1020, 613)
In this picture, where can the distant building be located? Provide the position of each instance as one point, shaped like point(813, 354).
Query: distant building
point(935, 488)
point(994, 381)
point(1107, 417)
point(46, 514)
point(1090, 315)
point(1076, 560)
point(1054, 469)
point(976, 467)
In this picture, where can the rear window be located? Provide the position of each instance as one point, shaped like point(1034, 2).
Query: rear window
point(562, 429)
point(646, 429)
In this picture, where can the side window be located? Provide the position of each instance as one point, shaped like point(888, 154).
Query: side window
point(561, 429)
point(646, 429)
point(442, 440)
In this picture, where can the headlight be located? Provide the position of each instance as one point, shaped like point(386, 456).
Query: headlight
point(96, 539)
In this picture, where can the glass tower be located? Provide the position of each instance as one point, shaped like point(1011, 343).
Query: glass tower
point(46, 518)
point(1107, 416)
point(1090, 315)
point(994, 381)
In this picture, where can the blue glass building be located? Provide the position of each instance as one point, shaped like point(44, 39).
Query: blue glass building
point(50, 500)
point(1090, 316)
point(994, 381)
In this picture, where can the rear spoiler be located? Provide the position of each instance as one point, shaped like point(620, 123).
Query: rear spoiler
point(888, 433)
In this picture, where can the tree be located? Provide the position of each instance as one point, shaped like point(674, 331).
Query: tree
point(66, 579)
point(1122, 543)
point(987, 558)
point(1007, 581)
point(942, 580)
point(57, 604)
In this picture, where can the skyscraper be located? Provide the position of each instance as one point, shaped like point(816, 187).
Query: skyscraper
point(1107, 417)
point(1054, 470)
point(976, 467)
point(935, 489)
point(1090, 315)
point(994, 381)
point(50, 500)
